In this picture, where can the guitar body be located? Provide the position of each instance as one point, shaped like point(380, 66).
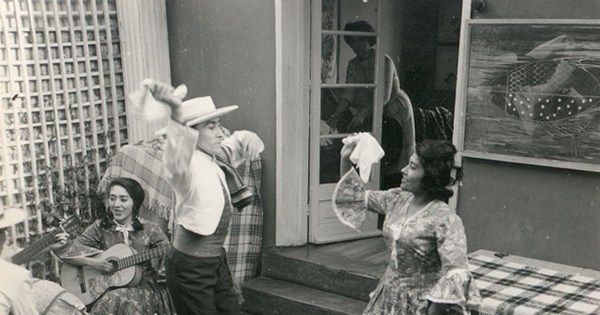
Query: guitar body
point(88, 284)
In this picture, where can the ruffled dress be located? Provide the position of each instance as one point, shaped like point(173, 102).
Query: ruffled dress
point(150, 296)
point(428, 250)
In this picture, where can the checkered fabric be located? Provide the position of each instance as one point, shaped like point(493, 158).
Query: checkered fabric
point(143, 162)
point(243, 243)
point(510, 288)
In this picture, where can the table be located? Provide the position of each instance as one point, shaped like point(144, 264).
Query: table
point(518, 286)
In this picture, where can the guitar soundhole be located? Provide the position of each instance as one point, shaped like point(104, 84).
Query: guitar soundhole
point(115, 265)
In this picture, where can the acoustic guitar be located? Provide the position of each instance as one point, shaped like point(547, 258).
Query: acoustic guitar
point(88, 284)
point(30, 252)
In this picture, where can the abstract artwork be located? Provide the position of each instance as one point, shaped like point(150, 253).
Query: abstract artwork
point(531, 93)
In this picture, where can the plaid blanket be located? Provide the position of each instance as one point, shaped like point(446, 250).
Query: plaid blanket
point(143, 162)
point(511, 288)
point(243, 243)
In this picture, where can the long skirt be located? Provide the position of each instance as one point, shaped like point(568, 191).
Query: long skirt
point(147, 298)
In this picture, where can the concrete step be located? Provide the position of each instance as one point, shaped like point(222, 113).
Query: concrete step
point(266, 296)
point(324, 272)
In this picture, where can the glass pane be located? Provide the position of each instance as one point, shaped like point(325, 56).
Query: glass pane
point(348, 59)
point(346, 110)
point(330, 59)
point(336, 13)
point(329, 165)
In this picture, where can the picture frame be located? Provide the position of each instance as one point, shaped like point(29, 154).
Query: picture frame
point(528, 92)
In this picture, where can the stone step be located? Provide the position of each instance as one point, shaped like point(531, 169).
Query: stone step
point(324, 272)
point(266, 296)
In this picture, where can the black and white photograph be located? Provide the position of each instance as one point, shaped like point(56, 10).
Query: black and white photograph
point(299, 157)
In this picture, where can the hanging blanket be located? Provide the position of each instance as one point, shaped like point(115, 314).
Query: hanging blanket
point(436, 124)
point(143, 162)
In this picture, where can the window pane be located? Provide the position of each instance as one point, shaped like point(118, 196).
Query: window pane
point(329, 165)
point(336, 13)
point(348, 59)
point(347, 110)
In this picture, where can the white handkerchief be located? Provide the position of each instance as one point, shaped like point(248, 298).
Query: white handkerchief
point(366, 153)
point(146, 107)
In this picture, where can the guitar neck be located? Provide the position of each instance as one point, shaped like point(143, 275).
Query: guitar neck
point(141, 257)
point(31, 251)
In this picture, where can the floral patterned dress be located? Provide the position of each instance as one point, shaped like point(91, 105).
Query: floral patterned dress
point(150, 296)
point(428, 250)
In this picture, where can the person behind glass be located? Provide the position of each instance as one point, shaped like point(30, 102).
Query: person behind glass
point(121, 225)
point(354, 111)
point(427, 272)
point(198, 276)
point(16, 284)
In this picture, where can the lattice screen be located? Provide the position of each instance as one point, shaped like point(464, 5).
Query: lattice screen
point(62, 112)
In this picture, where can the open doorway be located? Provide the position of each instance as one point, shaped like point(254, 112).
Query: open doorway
point(408, 34)
point(360, 47)
point(353, 46)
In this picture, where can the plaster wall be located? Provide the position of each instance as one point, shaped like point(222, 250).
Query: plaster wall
point(226, 49)
point(538, 212)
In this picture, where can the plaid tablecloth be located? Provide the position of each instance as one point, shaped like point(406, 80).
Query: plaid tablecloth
point(511, 288)
point(143, 162)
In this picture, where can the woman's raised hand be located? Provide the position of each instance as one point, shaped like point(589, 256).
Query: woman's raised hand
point(345, 152)
point(347, 149)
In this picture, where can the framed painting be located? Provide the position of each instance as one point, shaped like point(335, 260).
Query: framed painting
point(529, 92)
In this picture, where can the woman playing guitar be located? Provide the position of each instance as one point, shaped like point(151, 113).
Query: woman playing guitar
point(120, 226)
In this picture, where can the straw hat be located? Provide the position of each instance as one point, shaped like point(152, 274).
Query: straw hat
point(200, 109)
point(11, 216)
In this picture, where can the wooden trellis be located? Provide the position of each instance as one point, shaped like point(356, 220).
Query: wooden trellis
point(62, 96)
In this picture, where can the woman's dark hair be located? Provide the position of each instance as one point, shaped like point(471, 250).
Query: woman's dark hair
point(437, 160)
point(359, 26)
point(135, 191)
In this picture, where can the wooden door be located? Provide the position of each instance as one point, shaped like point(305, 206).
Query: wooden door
point(331, 84)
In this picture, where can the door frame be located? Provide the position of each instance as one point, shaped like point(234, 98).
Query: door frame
point(292, 45)
point(292, 71)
